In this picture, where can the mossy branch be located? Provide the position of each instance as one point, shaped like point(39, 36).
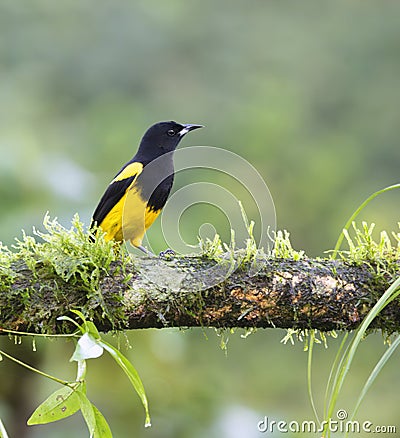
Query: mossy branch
point(43, 280)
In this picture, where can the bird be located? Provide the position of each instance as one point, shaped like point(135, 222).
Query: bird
point(138, 192)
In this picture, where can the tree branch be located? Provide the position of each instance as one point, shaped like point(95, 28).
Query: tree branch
point(193, 291)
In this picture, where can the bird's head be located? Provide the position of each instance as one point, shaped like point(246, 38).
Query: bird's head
point(164, 137)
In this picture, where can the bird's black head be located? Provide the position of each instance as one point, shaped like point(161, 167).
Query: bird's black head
point(163, 137)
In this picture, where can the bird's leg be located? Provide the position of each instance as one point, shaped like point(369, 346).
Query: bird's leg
point(146, 251)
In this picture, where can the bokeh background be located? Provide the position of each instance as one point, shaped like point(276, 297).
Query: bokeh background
point(307, 92)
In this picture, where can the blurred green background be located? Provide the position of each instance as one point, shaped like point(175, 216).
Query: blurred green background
point(307, 92)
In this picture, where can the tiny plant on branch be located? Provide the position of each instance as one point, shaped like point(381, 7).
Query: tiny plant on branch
point(72, 397)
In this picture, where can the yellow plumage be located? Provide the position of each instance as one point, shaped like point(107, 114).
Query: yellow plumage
point(130, 217)
point(132, 202)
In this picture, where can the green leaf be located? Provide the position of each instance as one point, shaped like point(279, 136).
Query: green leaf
point(132, 374)
point(79, 313)
point(96, 423)
point(88, 347)
point(92, 329)
point(102, 428)
point(61, 404)
point(3, 432)
point(374, 373)
point(87, 412)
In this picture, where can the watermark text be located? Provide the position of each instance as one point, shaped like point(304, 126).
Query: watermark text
point(340, 425)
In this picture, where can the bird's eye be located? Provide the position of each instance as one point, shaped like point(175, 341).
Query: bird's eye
point(171, 132)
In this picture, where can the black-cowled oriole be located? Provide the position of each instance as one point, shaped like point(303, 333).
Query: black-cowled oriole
point(139, 191)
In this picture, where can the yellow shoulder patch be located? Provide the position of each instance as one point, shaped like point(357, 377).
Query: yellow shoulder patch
point(133, 169)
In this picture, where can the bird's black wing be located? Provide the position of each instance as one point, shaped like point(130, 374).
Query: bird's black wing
point(116, 190)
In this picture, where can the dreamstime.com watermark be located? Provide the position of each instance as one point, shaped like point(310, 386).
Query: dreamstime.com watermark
point(340, 425)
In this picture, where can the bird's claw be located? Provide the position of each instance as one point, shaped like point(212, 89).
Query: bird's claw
point(167, 253)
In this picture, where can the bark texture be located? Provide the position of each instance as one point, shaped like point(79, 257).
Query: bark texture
point(192, 291)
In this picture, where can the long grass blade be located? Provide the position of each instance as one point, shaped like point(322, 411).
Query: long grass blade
point(378, 367)
point(3, 432)
point(333, 371)
point(349, 355)
point(309, 374)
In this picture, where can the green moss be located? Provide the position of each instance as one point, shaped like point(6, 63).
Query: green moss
point(58, 269)
point(283, 247)
point(364, 247)
point(380, 253)
point(68, 253)
point(70, 266)
point(7, 274)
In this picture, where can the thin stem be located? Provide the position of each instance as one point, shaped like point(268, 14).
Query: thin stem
point(81, 373)
point(43, 335)
point(309, 367)
point(35, 370)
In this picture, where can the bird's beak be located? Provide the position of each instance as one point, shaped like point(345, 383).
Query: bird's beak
point(189, 127)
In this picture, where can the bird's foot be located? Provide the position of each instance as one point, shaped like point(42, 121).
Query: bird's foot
point(167, 253)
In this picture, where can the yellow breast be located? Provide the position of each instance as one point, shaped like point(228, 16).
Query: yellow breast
point(129, 218)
